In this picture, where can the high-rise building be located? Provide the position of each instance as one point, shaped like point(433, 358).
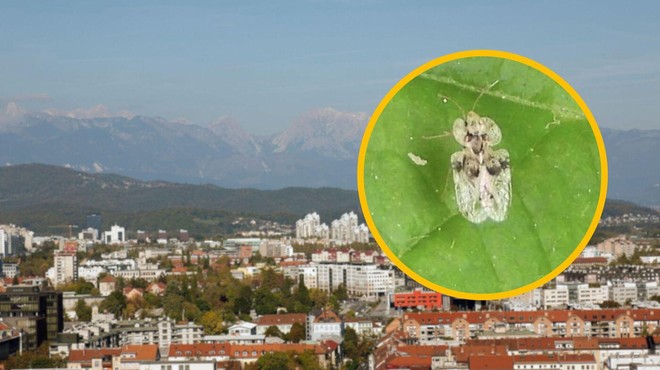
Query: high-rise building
point(311, 227)
point(347, 230)
point(66, 267)
point(184, 236)
point(15, 240)
point(116, 235)
point(38, 313)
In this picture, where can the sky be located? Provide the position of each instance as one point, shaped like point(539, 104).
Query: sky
point(265, 63)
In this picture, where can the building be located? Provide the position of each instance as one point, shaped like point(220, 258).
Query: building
point(592, 295)
point(555, 297)
point(429, 327)
point(617, 247)
point(347, 230)
point(325, 325)
point(624, 293)
point(283, 322)
point(184, 236)
point(275, 249)
point(8, 269)
point(15, 240)
point(66, 267)
point(89, 233)
point(107, 285)
point(40, 314)
point(359, 279)
point(115, 235)
point(310, 226)
point(418, 298)
point(235, 243)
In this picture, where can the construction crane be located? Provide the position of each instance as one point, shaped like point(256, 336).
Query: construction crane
point(69, 226)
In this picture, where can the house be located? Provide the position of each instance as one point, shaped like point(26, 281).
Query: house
point(284, 322)
point(157, 288)
point(327, 325)
point(133, 293)
point(107, 285)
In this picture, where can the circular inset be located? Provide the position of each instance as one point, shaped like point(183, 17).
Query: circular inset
point(482, 174)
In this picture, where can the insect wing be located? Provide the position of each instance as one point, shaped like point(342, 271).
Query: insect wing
point(501, 187)
point(467, 189)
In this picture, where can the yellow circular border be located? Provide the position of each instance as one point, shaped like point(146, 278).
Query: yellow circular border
point(467, 54)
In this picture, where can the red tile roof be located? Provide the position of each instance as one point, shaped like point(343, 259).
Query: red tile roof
point(144, 352)
point(555, 358)
point(463, 353)
point(490, 362)
point(85, 355)
point(416, 350)
point(108, 279)
point(327, 316)
point(282, 319)
point(474, 317)
point(201, 349)
point(411, 362)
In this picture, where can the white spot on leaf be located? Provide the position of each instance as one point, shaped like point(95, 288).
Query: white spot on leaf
point(417, 159)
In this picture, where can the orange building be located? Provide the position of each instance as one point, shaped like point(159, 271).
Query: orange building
point(418, 298)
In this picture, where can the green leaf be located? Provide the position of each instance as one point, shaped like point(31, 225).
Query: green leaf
point(555, 170)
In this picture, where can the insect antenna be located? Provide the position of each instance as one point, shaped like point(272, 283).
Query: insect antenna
point(445, 99)
point(483, 92)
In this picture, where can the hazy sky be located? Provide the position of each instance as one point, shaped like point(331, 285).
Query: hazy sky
point(265, 63)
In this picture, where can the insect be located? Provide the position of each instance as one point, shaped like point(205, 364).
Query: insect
point(482, 174)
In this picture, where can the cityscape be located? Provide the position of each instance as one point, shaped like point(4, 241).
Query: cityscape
point(311, 296)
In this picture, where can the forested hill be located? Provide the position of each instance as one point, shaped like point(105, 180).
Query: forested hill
point(40, 196)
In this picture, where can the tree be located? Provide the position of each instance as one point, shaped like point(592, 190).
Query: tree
point(265, 302)
point(610, 304)
point(297, 333)
point(243, 303)
point(273, 331)
point(274, 361)
point(318, 297)
point(351, 343)
point(83, 311)
point(302, 295)
point(212, 322)
point(340, 293)
point(39, 359)
point(115, 303)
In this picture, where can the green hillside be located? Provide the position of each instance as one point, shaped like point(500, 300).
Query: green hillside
point(40, 196)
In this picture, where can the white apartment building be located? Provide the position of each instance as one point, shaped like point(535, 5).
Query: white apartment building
point(555, 297)
point(66, 267)
point(10, 269)
point(13, 239)
point(310, 226)
point(89, 234)
point(116, 235)
point(617, 247)
point(150, 274)
point(235, 243)
point(592, 295)
point(346, 229)
point(624, 292)
point(359, 279)
point(309, 275)
point(275, 249)
point(651, 289)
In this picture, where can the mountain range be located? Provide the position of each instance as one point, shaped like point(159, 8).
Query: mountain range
point(319, 149)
